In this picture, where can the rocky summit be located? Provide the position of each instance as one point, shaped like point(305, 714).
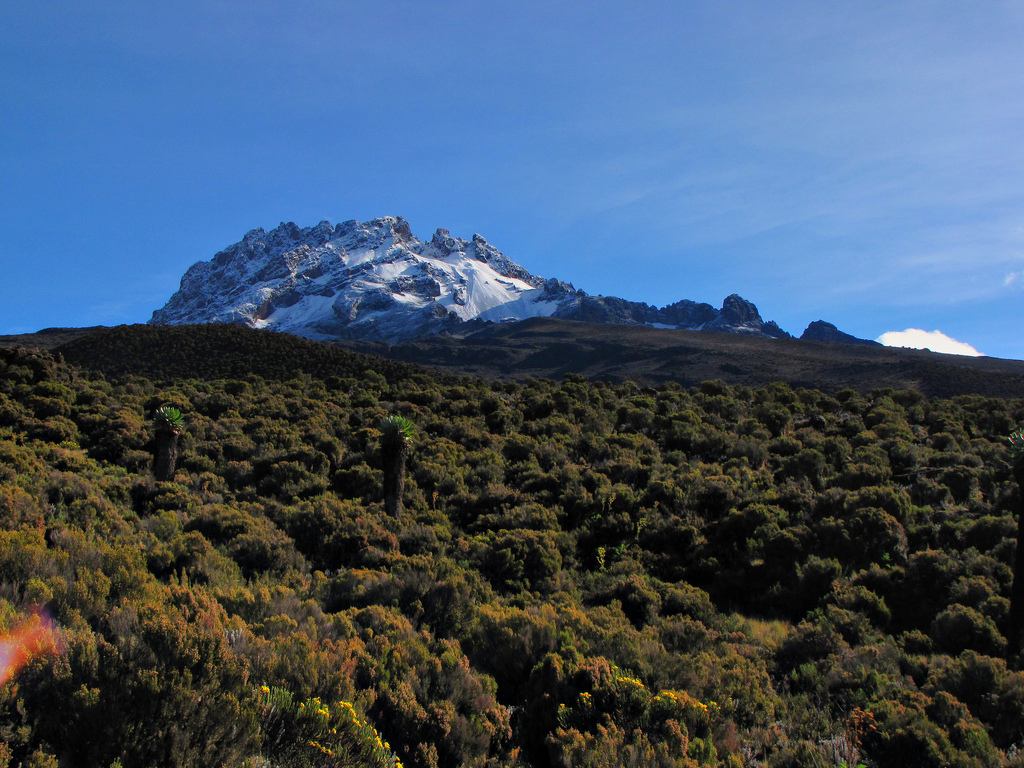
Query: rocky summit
point(377, 281)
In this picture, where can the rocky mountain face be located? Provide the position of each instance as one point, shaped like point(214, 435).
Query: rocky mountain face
point(819, 330)
point(377, 281)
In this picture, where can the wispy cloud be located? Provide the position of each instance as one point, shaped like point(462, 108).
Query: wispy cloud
point(936, 341)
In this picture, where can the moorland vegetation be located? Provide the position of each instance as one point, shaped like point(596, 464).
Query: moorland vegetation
point(578, 573)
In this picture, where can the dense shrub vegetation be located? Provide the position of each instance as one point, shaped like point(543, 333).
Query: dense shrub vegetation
point(582, 574)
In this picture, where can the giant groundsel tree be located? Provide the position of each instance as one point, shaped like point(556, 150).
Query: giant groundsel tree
point(395, 442)
point(1016, 444)
point(169, 423)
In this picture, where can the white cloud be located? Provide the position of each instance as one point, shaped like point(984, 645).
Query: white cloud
point(936, 341)
point(1012, 278)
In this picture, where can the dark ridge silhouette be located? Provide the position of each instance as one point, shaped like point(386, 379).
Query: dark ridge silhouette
point(543, 347)
point(537, 348)
point(218, 352)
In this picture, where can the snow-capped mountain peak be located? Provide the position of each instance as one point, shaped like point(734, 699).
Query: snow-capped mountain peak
point(369, 280)
point(376, 280)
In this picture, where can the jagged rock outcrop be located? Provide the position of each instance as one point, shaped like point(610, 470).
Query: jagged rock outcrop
point(819, 330)
point(740, 316)
point(377, 281)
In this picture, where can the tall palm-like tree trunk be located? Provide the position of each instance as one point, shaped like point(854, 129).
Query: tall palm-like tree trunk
point(169, 423)
point(1016, 441)
point(395, 444)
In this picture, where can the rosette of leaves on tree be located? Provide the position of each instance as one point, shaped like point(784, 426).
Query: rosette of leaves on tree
point(1016, 445)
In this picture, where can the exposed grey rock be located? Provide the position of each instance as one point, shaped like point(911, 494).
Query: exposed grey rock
point(686, 314)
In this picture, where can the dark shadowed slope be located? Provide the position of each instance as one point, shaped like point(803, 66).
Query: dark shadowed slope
point(553, 348)
point(539, 348)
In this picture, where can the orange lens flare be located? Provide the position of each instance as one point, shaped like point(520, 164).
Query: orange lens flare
point(35, 636)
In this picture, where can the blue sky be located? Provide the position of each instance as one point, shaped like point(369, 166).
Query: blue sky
point(861, 163)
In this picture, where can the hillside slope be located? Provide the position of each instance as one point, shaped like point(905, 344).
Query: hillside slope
point(540, 348)
point(553, 348)
point(583, 574)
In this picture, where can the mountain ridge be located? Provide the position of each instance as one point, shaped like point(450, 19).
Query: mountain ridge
point(375, 281)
